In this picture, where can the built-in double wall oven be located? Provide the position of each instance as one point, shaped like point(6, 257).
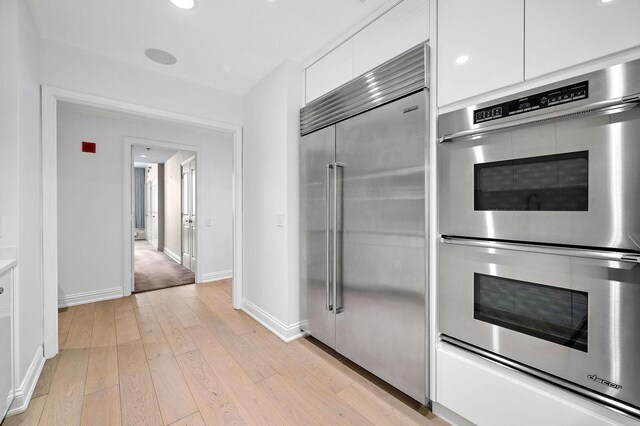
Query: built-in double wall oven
point(539, 217)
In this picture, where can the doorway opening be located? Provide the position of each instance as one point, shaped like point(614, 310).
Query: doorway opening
point(164, 217)
point(101, 184)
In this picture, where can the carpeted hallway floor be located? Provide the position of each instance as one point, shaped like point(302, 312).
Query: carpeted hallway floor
point(155, 270)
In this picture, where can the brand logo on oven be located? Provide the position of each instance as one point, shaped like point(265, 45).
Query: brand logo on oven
point(603, 381)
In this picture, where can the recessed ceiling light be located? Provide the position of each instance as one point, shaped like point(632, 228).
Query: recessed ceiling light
point(143, 156)
point(605, 1)
point(184, 4)
point(160, 56)
point(462, 59)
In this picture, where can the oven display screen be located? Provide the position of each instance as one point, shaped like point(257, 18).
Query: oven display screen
point(550, 98)
point(551, 313)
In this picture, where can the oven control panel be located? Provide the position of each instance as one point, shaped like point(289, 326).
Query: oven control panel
point(550, 98)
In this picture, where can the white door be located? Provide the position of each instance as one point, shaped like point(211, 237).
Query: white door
point(154, 214)
point(147, 211)
point(189, 214)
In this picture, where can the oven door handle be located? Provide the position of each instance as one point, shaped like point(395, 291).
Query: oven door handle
point(534, 248)
point(611, 106)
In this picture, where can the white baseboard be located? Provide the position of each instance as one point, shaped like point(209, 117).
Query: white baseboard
point(89, 297)
point(25, 389)
point(172, 255)
point(217, 276)
point(287, 333)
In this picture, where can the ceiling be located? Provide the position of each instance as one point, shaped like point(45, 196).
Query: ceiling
point(153, 155)
point(229, 45)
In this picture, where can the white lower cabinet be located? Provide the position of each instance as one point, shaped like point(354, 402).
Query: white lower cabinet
point(6, 342)
point(560, 34)
point(485, 393)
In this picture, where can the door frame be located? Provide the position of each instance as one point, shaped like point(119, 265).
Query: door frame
point(187, 161)
point(129, 205)
point(50, 96)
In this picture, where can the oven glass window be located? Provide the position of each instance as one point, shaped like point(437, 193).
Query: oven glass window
point(557, 182)
point(551, 313)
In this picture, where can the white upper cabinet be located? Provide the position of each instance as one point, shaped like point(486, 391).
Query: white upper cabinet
point(560, 34)
point(490, 34)
point(333, 70)
point(398, 30)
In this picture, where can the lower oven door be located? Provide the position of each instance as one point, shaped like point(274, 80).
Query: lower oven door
point(576, 318)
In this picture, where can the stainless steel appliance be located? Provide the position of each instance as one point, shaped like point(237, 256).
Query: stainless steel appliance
point(363, 241)
point(540, 224)
point(557, 164)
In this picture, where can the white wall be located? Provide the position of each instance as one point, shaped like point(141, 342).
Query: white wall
point(9, 122)
point(20, 182)
point(270, 160)
point(30, 193)
point(173, 202)
point(90, 195)
point(74, 69)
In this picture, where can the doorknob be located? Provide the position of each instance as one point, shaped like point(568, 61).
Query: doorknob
point(1, 290)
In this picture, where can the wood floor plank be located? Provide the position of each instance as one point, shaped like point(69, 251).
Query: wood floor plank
point(323, 400)
point(192, 420)
point(139, 404)
point(104, 325)
point(238, 321)
point(215, 404)
point(102, 371)
point(64, 401)
point(79, 335)
point(65, 316)
point(102, 408)
point(174, 396)
point(150, 329)
point(376, 409)
point(383, 390)
point(252, 364)
point(140, 299)
point(318, 367)
point(46, 377)
point(30, 417)
point(296, 407)
point(252, 403)
point(176, 334)
point(62, 339)
point(126, 325)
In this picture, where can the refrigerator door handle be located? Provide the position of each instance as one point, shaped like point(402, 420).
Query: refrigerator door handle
point(328, 304)
point(336, 166)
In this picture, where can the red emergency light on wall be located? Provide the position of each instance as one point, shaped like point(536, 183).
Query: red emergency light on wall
point(89, 147)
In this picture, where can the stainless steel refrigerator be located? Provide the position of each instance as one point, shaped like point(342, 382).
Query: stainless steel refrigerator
point(363, 240)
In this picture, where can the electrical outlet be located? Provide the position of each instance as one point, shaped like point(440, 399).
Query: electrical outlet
point(207, 222)
point(280, 219)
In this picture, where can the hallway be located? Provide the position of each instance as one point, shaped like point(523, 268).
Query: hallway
point(155, 270)
point(184, 356)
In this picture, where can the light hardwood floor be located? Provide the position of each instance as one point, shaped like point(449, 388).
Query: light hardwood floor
point(183, 356)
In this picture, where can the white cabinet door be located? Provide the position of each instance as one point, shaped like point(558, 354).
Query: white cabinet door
point(330, 72)
point(398, 30)
point(6, 342)
point(490, 34)
point(560, 34)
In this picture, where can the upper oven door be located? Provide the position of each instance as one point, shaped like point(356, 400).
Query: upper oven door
point(570, 316)
point(573, 180)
